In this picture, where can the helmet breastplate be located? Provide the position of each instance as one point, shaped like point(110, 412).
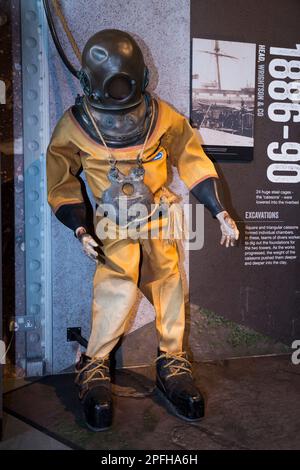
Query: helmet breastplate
point(119, 129)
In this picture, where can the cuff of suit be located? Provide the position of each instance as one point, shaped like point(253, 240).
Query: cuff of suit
point(72, 215)
point(206, 192)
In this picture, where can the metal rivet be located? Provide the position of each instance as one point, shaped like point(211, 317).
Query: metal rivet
point(32, 95)
point(34, 337)
point(33, 195)
point(35, 309)
point(33, 145)
point(33, 170)
point(34, 220)
point(34, 265)
point(32, 69)
point(32, 120)
point(35, 287)
point(34, 243)
point(31, 42)
point(30, 15)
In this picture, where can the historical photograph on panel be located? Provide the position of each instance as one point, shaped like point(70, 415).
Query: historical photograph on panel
point(223, 97)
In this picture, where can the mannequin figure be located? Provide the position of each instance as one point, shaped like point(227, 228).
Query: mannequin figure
point(122, 137)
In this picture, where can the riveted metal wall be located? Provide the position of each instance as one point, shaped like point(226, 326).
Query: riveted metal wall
point(37, 314)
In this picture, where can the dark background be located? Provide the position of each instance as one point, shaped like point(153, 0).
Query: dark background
point(264, 298)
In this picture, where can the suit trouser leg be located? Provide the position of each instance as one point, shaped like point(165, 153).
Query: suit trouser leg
point(114, 294)
point(161, 283)
point(115, 289)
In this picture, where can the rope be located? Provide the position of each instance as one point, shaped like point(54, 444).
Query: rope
point(178, 363)
point(65, 26)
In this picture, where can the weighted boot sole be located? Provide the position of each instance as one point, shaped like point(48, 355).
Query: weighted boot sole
point(170, 405)
point(106, 419)
point(91, 428)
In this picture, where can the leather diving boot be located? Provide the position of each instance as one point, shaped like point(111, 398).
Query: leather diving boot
point(175, 381)
point(93, 380)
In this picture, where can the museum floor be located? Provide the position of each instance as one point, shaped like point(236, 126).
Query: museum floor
point(252, 403)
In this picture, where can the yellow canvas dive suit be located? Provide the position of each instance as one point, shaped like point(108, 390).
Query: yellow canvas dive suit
point(116, 280)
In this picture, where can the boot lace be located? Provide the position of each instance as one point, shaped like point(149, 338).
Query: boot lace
point(95, 369)
point(177, 362)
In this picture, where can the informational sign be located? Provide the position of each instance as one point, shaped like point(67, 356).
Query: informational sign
point(258, 282)
point(272, 228)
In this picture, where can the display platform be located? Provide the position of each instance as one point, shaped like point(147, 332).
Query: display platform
point(252, 403)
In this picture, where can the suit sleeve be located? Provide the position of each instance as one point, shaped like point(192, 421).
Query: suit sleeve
point(186, 152)
point(63, 186)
